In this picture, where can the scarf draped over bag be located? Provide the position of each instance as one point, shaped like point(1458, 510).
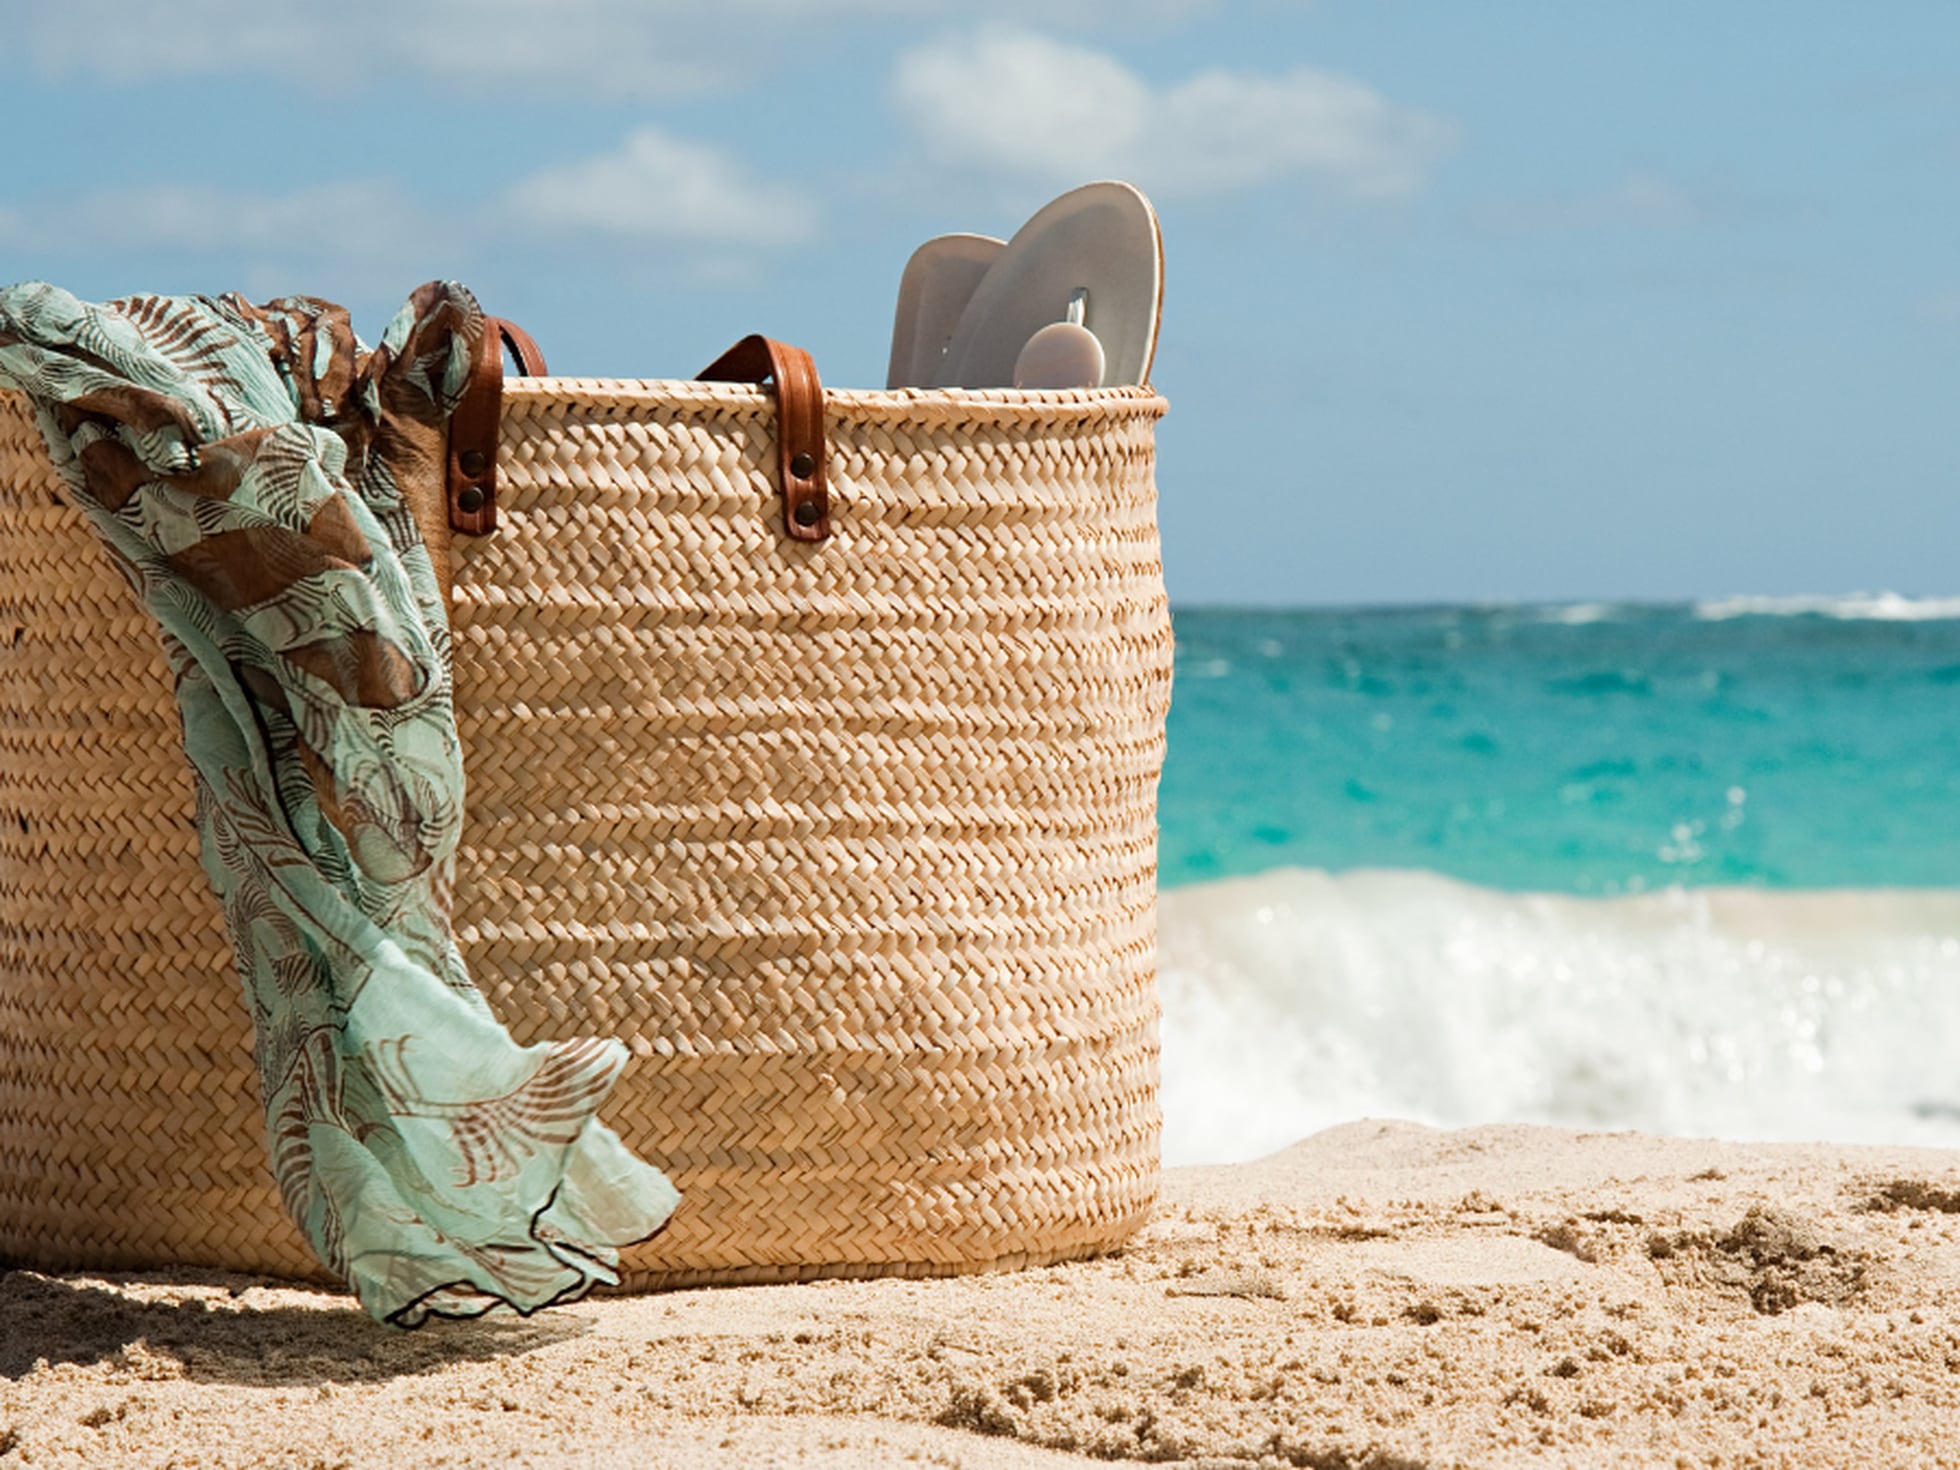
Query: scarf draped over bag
point(252, 471)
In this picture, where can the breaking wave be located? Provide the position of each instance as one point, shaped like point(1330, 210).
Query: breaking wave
point(1888, 607)
point(1298, 999)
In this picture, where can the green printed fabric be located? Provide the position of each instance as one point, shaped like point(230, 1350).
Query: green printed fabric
point(251, 472)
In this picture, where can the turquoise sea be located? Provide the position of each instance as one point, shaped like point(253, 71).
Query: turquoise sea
point(1576, 749)
point(1692, 869)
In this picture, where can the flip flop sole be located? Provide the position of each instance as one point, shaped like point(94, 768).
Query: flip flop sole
point(1103, 237)
point(939, 280)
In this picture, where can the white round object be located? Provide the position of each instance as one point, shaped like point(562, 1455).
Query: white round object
point(1060, 355)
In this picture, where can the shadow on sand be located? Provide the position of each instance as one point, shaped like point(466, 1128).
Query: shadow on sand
point(238, 1329)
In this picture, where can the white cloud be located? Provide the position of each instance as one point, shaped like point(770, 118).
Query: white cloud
point(352, 240)
point(694, 208)
point(1024, 104)
point(610, 47)
point(342, 218)
point(659, 187)
point(616, 48)
point(1018, 103)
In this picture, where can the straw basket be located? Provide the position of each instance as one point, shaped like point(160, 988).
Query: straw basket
point(851, 841)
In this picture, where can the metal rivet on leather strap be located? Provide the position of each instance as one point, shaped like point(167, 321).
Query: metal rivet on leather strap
point(471, 462)
point(799, 461)
point(470, 499)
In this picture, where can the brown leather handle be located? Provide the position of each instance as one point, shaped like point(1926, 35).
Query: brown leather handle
point(475, 425)
point(800, 456)
point(523, 347)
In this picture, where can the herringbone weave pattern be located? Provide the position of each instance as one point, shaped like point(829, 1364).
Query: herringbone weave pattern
point(853, 843)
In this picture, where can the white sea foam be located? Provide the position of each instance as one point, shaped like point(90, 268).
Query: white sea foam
point(1888, 607)
point(1578, 614)
point(1296, 1000)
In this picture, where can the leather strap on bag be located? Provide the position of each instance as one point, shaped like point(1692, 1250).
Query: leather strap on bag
point(476, 423)
point(800, 458)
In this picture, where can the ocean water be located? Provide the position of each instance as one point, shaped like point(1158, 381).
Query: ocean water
point(1690, 869)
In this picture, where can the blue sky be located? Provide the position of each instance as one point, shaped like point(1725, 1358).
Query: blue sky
point(1466, 301)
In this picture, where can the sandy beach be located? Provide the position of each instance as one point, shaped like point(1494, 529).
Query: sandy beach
point(1379, 1297)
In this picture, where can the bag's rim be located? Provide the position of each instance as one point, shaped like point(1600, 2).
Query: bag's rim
point(892, 405)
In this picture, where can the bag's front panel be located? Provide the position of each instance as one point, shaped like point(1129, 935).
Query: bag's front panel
point(853, 841)
point(130, 1131)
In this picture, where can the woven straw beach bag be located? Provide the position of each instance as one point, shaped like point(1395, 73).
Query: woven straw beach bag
point(830, 789)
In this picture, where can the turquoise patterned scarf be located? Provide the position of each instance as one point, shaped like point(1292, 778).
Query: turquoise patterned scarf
point(251, 472)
